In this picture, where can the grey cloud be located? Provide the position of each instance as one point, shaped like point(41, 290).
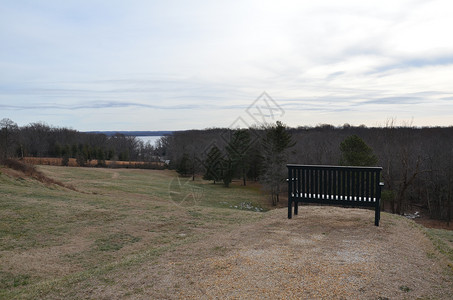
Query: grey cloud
point(395, 100)
point(114, 104)
point(415, 63)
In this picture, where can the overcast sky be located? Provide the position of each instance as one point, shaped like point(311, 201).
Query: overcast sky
point(169, 65)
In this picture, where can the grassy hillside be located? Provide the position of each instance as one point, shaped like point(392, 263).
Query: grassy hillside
point(54, 238)
point(145, 233)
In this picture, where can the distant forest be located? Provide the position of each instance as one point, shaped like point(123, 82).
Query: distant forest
point(42, 140)
point(417, 162)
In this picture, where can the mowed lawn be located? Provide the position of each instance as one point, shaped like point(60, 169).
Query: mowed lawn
point(56, 241)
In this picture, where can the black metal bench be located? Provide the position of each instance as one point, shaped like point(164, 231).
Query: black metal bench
point(334, 185)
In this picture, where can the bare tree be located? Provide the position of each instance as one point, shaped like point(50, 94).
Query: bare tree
point(8, 132)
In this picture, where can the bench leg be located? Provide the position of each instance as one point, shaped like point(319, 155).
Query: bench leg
point(377, 215)
point(296, 207)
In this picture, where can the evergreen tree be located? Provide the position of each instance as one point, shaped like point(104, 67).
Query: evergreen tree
point(58, 150)
point(81, 159)
point(74, 150)
point(213, 165)
point(275, 143)
point(238, 150)
point(183, 166)
point(227, 171)
point(65, 160)
point(66, 151)
point(110, 154)
point(355, 152)
point(100, 155)
point(124, 156)
point(255, 162)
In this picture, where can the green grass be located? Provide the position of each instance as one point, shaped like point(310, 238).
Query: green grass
point(115, 219)
point(10, 280)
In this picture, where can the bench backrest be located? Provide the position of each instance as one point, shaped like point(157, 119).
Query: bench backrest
point(334, 184)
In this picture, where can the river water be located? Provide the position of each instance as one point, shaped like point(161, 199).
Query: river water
point(149, 139)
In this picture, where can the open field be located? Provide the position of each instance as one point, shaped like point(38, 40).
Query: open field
point(123, 233)
point(72, 162)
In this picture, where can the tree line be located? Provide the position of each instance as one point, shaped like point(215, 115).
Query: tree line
point(41, 140)
point(417, 162)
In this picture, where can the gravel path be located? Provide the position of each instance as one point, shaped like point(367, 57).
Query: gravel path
point(324, 253)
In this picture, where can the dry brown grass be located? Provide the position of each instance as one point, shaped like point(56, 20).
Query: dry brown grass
point(28, 170)
point(52, 161)
point(124, 239)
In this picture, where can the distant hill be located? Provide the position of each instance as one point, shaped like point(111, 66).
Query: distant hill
point(134, 133)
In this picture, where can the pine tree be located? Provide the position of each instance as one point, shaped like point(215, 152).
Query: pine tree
point(213, 165)
point(100, 157)
point(227, 171)
point(183, 166)
point(355, 152)
point(275, 144)
point(238, 152)
point(255, 162)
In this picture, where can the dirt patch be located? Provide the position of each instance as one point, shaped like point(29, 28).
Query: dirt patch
point(324, 253)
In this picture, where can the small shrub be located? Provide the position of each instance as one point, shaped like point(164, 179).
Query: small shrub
point(65, 161)
point(27, 169)
point(81, 160)
point(101, 164)
point(31, 171)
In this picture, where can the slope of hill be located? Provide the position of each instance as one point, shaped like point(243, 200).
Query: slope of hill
point(147, 234)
